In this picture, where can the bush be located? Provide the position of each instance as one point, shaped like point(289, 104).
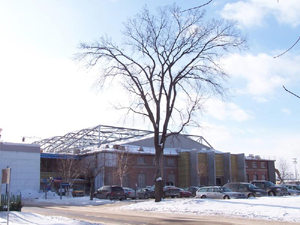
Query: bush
point(14, 205)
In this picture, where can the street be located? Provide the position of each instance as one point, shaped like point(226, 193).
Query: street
point(110, 214)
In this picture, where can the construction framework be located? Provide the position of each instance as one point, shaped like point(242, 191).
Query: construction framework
point(78, 141)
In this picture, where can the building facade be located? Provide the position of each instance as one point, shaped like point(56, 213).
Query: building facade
point(24, 161)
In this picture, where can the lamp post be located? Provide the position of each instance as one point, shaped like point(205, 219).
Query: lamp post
point(295, 162)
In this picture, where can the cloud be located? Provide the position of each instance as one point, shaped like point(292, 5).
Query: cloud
point(225, 111)
point(286, 111)
point(253, 12)
point(263, 74)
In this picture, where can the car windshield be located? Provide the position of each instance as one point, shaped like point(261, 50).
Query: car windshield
point(225, 189)
point(251, 186)
point(269, 184)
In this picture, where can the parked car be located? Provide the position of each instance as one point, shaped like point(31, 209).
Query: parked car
point(129, 192)
point(290, 190)
point(185, 193)
point(248, 189)
point(218, 192)
point(146, 193)
point(293, 186)
point(193, 190)
point(77, 191)
point(110, 192)
point(270, 188)
point(171, 191)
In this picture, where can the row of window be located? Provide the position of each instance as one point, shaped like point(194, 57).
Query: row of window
point(256, 177)
point(141, 160)
point(255, 164)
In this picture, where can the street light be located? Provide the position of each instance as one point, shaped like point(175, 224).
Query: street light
point(295, 162)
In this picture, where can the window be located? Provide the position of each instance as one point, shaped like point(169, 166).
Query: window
point(255, 177)
point(141, 180)
point(263, 164)
point(171, 162)
point(263, 177)
point(246, 164)
point(141, 160)
point(242, 188)
point(254, 165)
point(171, 178)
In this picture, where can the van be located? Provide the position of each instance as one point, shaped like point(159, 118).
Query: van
point(110, 192)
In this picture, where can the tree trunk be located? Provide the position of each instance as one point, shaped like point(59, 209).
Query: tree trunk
point(159, 174)
point(92, 189)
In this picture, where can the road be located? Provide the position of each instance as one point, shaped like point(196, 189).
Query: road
point(108, 214)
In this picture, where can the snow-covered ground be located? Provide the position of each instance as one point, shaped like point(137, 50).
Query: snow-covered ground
point(267, 208)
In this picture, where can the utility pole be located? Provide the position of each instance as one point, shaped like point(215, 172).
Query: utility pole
point(295, 162)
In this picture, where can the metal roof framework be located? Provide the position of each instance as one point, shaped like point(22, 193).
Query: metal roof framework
point(96, 136)
point(88, 137)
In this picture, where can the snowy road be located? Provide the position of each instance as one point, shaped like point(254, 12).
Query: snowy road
point(111, 214)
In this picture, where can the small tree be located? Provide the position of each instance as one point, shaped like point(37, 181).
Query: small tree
point(123, 162)
point(169, 63)
point(68, 168)
point(282, 168)
point(90, 167)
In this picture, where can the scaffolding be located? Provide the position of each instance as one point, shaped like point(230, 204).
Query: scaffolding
point(77, 142)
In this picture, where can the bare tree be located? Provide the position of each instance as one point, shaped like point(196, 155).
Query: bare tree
point(68, 168)
point(290, 92)
point(169, 63)
point(282, 168)
point(123, 162)
point(90, 167)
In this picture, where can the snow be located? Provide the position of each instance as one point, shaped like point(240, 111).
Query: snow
point(284, 209)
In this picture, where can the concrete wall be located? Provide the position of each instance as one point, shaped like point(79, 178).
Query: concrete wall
point(194, 177)
point(227, 167)
point(241, 167)
point(211, 170)
point(24, 161)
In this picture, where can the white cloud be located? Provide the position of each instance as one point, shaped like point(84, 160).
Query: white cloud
point(225, 111)
point(263, 73)
point(287, 111)
point(253, 12)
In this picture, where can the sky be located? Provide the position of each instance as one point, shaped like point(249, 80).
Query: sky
point(45, 93)
point(275, 209)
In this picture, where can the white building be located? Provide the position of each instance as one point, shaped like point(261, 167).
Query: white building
point(24, 161)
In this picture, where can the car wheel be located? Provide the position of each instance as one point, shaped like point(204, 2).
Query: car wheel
point(271, 193)
point(226, 197)
point(145, 196)
point(203, 196)
point(250, 196)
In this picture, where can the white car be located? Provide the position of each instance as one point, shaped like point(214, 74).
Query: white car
point(218, 192)
point(129, 193)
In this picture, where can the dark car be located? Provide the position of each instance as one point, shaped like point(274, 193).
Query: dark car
point(293, 187)
point(185, 193)
point(290, 190)
point(110, 192)
point(171, 191)
point(193, 189)
point(248, 189)
point(270, 188)
point(218, 192)
point(146, 193)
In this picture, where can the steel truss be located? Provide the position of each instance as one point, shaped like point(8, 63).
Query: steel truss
point(99, 135)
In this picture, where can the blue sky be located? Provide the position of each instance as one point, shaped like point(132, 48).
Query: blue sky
point(45, 93)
